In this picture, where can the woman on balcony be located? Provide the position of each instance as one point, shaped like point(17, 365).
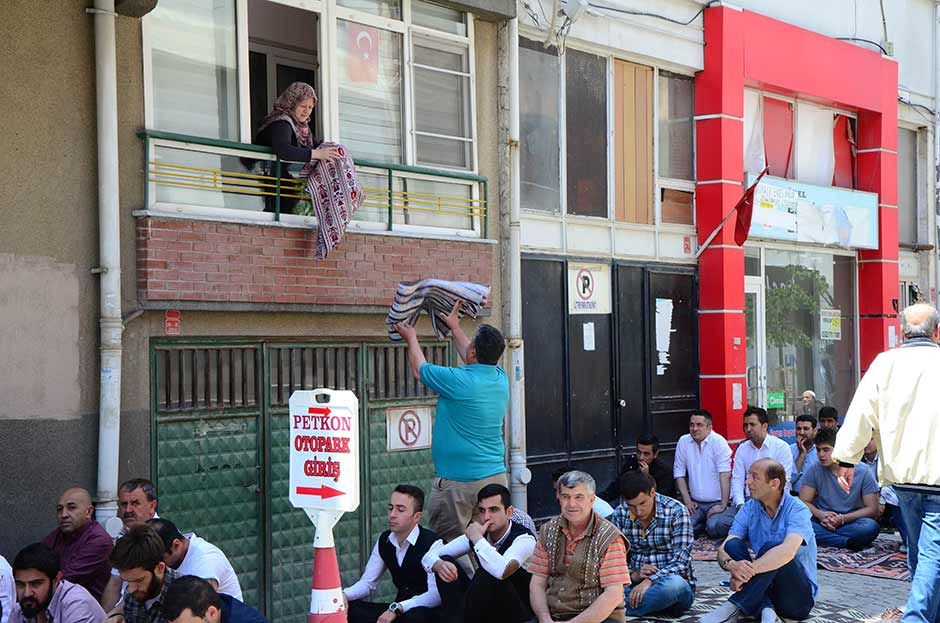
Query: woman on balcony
point(286, 130)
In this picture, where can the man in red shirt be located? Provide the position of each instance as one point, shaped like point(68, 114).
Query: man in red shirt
point(82, 544)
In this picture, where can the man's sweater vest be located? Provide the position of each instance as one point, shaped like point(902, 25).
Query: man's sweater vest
point(410, 578)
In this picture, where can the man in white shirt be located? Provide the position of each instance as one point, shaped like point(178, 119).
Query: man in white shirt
point(759, 445)
point(192, 555)
point(137, 501)
point(702, 469)
point(501, 548)
point(7, 590)
point(400, 550)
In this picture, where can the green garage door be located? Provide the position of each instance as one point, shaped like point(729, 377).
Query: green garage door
point(220, 453)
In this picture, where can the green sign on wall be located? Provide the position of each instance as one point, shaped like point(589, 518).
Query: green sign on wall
point(775, 400)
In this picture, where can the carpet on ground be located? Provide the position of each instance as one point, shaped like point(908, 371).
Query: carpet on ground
point(708, 599)
point(882, 559)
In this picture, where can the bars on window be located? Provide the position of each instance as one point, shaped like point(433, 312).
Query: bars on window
point(195, 379)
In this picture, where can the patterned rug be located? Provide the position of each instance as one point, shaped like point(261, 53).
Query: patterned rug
point(708, 599)
point(883, 559)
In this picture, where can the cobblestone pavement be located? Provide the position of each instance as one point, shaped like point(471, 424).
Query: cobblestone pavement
point(870, 595)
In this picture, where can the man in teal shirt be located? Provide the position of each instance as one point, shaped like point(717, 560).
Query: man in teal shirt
point(467, 445)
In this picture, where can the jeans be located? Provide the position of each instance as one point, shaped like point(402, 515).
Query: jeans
point(855, 535)
point(921, 515)
point(786, 589)
point(671, 595)
point(718, 525)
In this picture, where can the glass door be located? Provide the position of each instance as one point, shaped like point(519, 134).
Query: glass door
point(755, 335)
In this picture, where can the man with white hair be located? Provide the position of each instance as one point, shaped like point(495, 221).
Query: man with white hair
point(579, 566)
point(899, 400)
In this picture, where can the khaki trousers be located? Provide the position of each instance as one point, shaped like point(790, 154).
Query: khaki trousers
point(453, 503)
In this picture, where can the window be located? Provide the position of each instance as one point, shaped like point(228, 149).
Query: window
point(633, 142)
point(843, 141)
point(777, 133)
point(586, 133)
point(442, 103)
point(195, 68)
point(675, 126)
point(815, 152)
point(539, 93)
point(907, 186)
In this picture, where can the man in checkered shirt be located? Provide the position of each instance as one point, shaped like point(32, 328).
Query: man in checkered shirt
point(659, 531)
point(138, 557)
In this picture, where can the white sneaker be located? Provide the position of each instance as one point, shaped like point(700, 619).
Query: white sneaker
point(725, 613)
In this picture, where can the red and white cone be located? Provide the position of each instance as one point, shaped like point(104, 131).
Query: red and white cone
point(326, 596)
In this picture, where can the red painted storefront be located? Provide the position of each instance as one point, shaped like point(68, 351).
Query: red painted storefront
point(745, 49)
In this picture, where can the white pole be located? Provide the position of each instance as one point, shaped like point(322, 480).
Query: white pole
point(109, 416)
point(519, 474)
point(936, 150)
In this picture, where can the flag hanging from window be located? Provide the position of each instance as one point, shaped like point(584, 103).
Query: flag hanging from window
point(745, 210)
point(362, 60)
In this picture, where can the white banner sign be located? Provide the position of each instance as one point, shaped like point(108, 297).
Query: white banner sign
point(588, 288)
point(324, 450)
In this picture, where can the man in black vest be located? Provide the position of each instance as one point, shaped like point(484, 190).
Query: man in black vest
point(500, 546)
point(399, 549)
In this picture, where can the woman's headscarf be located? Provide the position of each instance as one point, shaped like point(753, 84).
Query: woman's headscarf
point(284, 111)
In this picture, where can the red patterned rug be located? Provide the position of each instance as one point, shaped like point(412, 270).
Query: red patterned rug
point(883, 559)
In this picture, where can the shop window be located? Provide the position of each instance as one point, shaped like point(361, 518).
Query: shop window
point(633, 143)
point(539, 86)
point(843, 143)
point(442, 103)
point(586, 133)
point(815, 155)
point(194, 62)
point(907, 186)
point(777, 133)
point(675, 126)
point(676, 206)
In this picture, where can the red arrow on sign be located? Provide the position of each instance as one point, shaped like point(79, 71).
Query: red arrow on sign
point(324, 492)
point(319, 410)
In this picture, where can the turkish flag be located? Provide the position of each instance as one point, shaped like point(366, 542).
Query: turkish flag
point(745, 208)
point(362, 61)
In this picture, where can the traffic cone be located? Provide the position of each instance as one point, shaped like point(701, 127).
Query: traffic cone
point(326, 595)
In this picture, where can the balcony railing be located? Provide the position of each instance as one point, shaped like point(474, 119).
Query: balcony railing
point(223, 178)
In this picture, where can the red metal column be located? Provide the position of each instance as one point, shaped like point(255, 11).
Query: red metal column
point(877, 162)
point(719, 111)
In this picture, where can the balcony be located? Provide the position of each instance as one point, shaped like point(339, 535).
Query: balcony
point(205, 240)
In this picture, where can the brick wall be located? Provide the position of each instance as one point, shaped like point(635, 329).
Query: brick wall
point(190, 260)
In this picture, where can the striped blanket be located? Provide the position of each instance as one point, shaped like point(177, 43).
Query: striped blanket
point(336, 194)
point(434, 296)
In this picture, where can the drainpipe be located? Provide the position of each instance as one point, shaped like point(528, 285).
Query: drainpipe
point(936, 148)
point(109, 269)
point(519, 474)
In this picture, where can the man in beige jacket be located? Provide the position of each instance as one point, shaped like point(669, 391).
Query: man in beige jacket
point(899, 400)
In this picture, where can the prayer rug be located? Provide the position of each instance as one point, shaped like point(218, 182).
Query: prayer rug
point(882, 559)
point(708, 599)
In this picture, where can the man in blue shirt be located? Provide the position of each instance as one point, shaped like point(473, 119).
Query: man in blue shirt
point(467, 446)
point(193, 600)
point(840, 519)
point(782, 579)
point(803, 450)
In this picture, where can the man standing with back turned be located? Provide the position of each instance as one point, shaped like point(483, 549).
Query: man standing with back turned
point(899, 399)
point(467, 446)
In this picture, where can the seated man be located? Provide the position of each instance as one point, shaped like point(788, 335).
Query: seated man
point(138, 557)
point(759, 445)
point(194, 600)
point(659, 532)
point(400, 550)
point(828, 418)
point(579, 566)
point(500, 547)
point(191, 555)
point(840, 519)
point(600, 507)
point(803, 451)
point(42, 594)
point(137, 502)
point(81, 543)
point(782, 579)
point(702, 468)
point(647, 461)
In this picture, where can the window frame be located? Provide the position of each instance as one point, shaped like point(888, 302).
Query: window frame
point(328, 14)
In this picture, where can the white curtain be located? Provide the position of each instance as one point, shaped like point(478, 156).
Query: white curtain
point(815, 154)
point(754, 158)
